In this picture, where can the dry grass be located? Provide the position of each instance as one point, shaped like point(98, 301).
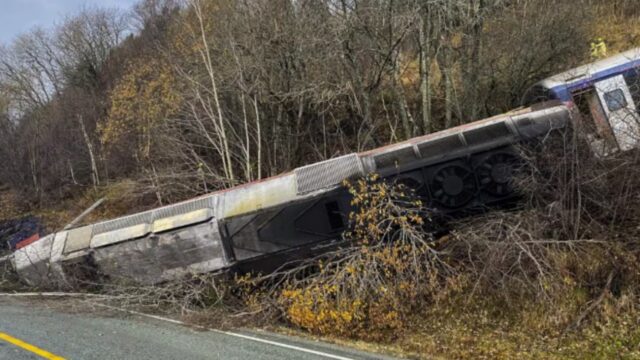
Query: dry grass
point(8, 278)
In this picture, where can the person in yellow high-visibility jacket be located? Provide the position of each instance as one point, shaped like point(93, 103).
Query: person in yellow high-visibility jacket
point(598, 49)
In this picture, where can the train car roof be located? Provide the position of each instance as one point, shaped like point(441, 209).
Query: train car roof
point(284, 178)
point(587, 74)
point(304, 182)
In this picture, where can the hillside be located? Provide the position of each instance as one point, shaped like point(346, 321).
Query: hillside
point(177, 99)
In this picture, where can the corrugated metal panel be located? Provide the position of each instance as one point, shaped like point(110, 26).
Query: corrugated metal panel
point(120, 235)
point(123, 222)
point(167, 256)
point(57, 248)
point(78, 239)
point(327, 173)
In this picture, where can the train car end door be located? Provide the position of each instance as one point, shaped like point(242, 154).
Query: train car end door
point(620, 110)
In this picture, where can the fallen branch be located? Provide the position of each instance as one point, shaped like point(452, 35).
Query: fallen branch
point(53, 294)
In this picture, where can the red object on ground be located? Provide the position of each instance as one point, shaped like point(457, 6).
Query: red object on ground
point(28, 241)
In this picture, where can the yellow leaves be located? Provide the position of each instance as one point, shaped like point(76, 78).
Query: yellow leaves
point(380, 206)
point(598, 49)
point(346, 316)
point(569, 281)
point(145, 96)
point(337, 304)
point(312, 309)
point(369, 294)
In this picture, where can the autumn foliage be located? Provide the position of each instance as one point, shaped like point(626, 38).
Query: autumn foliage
point(146, 95)
point(388, 268)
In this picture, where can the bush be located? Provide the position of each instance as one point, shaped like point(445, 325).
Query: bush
point(8, 278)
point(389, 268)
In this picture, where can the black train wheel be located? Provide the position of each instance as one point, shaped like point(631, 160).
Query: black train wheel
point(453, 186)
point(495, 173)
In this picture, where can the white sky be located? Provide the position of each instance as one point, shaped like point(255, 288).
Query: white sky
point(19, 16)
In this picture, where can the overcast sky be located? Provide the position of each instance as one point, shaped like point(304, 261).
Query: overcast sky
point(18, 16)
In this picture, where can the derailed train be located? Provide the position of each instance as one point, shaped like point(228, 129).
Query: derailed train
point(294, 212)
point(284, 217)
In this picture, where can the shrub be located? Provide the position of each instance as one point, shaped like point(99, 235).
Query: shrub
point(389, 268)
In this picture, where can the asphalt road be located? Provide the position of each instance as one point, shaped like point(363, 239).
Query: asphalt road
point(33, 331)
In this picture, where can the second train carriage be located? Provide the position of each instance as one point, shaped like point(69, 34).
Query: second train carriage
point(607, 95)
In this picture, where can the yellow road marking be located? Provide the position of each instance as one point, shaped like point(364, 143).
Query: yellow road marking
point(21, 344)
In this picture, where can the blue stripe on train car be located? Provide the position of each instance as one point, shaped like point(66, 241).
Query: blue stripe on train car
point(563, 92)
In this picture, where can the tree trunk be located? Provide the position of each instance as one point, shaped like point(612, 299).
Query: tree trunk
point(401, 101)
point(425, 73)
point(258, 138)
point(476, 49)
point(221, 123)
point(94, 167)
point(448, 85)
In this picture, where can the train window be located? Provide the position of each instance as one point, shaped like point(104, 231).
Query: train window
point(615, 100)
point(335, 217)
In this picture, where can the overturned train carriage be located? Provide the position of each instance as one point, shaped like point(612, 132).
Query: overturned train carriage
point(262, 224)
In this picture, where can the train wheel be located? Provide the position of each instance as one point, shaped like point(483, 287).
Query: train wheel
point(453, 186)
point(495, 173)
